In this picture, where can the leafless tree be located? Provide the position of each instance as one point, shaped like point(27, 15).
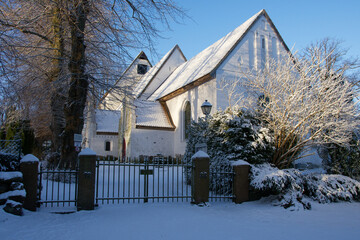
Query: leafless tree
point(67, 48)
point(303, 105)
point(328, 55)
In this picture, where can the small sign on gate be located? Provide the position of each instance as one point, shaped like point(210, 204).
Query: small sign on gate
point(146, 171)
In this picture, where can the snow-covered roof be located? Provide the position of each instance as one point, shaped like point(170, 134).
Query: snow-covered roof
point(204, 62)
point(144, 82)
point(151, 114)
point(107, 120)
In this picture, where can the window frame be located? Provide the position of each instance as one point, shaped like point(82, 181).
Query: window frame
point(142, 68)
point(107, 146)
point(186, 113)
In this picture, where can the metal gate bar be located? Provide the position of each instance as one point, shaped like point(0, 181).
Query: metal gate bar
point(154, 179)
point(57, 187)
point(221, 179)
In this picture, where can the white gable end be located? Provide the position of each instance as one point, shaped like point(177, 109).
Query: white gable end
point(159, 73)
point(260, 43)
point(124, 87)
point(203, 63)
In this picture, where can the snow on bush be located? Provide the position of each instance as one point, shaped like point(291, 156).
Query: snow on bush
point(272, 180)
point(287, 185)
point(332, 188)
point(290, 187)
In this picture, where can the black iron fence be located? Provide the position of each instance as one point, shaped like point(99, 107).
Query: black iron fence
point(57, 187)
point(221, 179)
point(157, 179)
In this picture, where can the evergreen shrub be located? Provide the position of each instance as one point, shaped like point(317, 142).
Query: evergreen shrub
point(229, 136)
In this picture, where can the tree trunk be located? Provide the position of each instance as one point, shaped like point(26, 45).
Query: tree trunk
point(58, 81)
point(77, 93)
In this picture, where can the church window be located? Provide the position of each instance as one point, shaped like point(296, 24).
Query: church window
point(187, 119)
point(107, 146)
point(263, 53)
point(142, 69)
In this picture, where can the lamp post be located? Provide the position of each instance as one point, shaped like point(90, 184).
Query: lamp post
point(206, 108)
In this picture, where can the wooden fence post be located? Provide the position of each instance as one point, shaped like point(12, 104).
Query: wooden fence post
point(200, 177)
point(29, 167)
point(86, 187)
point(241, 182)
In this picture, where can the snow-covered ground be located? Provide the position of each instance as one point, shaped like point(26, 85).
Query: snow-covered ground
point(220, 221)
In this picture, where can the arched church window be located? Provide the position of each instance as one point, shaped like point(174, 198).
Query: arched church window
point(187, 119)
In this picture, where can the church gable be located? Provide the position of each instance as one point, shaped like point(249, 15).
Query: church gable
point(125, 84)
point(159, 73)
point(260, 43)
point(203, 66)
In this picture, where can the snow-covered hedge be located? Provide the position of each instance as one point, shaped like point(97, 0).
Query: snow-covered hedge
point(290, 187)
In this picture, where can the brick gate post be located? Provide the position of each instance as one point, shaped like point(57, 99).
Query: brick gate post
point(29, 168)
point(241, 182)
point(86, 187)
point(200, 177)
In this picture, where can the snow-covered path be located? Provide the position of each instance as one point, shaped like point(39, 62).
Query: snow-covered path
point(220, 221)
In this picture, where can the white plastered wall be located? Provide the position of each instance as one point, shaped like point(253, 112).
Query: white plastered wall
point(98, 145)
point(196, 97)
point(150, 142)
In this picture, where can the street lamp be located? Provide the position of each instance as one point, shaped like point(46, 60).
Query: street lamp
point(206, 108)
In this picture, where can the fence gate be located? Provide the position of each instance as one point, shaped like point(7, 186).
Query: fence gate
point(221, 178)
point(57, 187)
point(157, 179)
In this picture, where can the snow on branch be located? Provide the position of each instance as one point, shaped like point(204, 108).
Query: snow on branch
point(302, 106)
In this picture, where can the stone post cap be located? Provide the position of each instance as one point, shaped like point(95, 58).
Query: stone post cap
point(240, 163)
point(200, 154)
point(29, 158)
point(87, 152)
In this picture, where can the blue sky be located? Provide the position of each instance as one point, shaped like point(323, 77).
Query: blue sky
point(299, 22)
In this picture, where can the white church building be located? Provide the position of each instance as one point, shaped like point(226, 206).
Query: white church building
point(151, 115)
